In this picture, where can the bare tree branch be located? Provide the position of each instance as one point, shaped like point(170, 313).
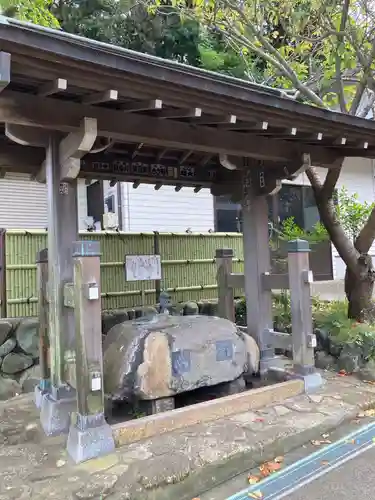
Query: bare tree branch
point(328, 216)
point(366, 237)
point(277, 60)
point(340, 40)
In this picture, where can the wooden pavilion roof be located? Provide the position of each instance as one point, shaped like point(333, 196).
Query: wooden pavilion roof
point(159, 112)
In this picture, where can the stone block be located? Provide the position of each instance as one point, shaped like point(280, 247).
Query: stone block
point(30, 379)
point(191, 309)
point(27, 336)
point(16, 362)
point(90, 443)
point(7, 347)
point(152, 358)
point(9, 388)
point(5, 330)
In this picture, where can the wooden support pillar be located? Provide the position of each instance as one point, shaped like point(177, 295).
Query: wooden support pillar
point(224, 258)
point(89, 436)
point(303, 338)
point(62, 231)
point(44, 384)
point(257, 261)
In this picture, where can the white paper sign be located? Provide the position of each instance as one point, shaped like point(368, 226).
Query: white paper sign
point(142, 267)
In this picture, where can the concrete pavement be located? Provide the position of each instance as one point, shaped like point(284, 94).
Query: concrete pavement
point(181, 464)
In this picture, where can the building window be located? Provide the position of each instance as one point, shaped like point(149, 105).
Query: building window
point(291, 201)
point(110, 202)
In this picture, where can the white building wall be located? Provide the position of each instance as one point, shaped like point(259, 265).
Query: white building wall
point(23, 203)
point(144, 209)
point(357, 176)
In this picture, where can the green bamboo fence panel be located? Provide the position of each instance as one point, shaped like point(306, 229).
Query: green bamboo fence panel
point(188, 267)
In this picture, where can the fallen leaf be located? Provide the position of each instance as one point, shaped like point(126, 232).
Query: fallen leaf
point(253, 479)
point(259, 420)
point(342, 373)
point(325, 462)
point(320, 442)
point(279, 460)
point(370, 413)
point(60, 463)
point(257, 494)
point(325, 436)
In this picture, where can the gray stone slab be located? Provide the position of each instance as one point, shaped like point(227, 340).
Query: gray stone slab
point(174, 465)
point(55, 415)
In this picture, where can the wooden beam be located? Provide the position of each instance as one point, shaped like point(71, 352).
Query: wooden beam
point(54, 87)
point(137, 106)
point(161, 153)
point(275, 281)
point(184, 157)
point(180, 113)
point(4, 70)
point(218, 120)
point(73, 147)
point(26, 136)
point(64, 116)
point(100, 97)
point(205, 160)
point(251, 127)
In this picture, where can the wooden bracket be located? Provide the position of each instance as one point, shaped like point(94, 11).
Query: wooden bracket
point(26, 136)
point(74, 146)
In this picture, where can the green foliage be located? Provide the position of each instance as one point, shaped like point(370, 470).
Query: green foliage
point(352, 213)
point(332, 318)
point(291, 231)
point(34, 11)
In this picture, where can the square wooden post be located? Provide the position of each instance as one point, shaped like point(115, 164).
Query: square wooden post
point(45, 382)
point(224, 259)
point(62, 231)
point(257, 261)
point(89, 435)
point(303, 338)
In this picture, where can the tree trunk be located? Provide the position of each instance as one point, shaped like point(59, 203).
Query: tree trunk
point(358, 289)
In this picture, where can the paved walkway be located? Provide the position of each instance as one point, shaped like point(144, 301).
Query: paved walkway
point(175, 465)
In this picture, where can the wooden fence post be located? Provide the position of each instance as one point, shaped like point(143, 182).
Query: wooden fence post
point(224, 260)
point(157, 252)
point(304, 341)
point(3, 287)
point(44, 363)
point(89, 436)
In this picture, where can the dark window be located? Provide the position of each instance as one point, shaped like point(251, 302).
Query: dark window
point(290, 201)
point(110, 202)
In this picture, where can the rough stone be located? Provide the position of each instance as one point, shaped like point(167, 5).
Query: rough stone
point(367, 372)
point(368, 346)
point(189, 351)
point(253, 354)
point(30, 379)
point(5, 330)
point(335, 347)
point(15, 363)
point(191, 309)
point(110, 319)
point(155, 373)
point(324, 361)
point(27, 336)
point(322, 338)
point(9, 388)
point(7, 347)
point(350, 358)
